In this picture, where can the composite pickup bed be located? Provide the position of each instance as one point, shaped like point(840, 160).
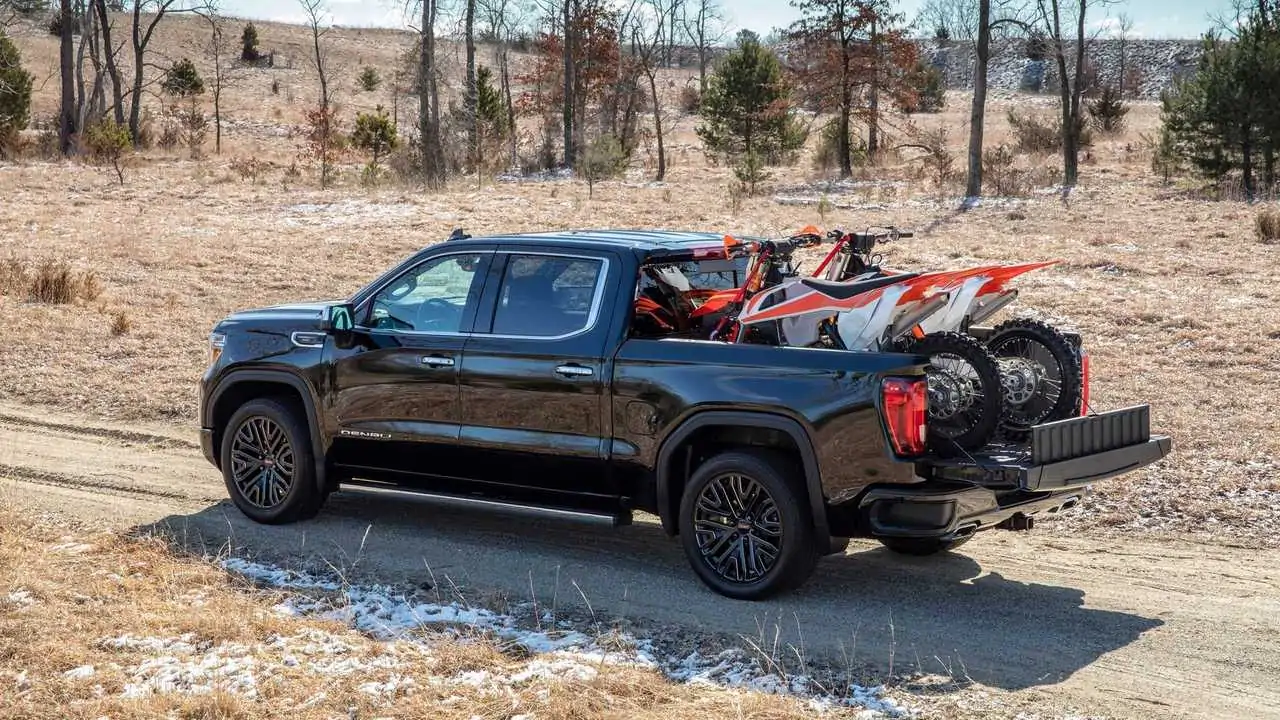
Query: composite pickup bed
point(514, 371)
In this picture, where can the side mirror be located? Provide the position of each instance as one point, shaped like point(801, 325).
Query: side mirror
point(339, 318)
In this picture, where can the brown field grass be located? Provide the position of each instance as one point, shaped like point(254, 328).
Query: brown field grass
point(1173, 293)
point(85, 615)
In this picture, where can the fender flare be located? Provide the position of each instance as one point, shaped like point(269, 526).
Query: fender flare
point(278, 377)
point(809, 459)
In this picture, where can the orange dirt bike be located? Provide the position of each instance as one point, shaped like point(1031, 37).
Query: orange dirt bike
point(1043, 375)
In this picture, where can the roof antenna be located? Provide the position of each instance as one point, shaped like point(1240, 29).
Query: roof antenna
point(457, 234)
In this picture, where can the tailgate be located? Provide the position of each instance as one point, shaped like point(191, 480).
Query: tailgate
point(1061, 455)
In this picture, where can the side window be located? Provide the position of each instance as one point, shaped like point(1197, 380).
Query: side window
point(546, 295)
point(429, 298)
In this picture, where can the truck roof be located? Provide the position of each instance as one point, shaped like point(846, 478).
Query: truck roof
point(648, 243)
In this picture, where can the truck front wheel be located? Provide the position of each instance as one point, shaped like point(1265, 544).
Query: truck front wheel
point(267, 463)
point(745, 525)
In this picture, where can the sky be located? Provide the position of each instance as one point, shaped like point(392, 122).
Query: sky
point(1153, 18)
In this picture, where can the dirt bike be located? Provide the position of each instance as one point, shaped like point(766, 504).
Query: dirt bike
point(777, 306)
point(1043, 375)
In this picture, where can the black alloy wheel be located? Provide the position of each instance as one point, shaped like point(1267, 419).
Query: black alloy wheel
point(268, 463)
point(262, 465)
point(738, 527)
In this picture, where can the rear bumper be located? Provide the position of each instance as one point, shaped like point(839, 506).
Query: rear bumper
point(953, 512)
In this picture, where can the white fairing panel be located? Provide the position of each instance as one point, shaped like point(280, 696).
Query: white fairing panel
point(952, 316)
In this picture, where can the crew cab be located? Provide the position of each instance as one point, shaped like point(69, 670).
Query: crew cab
point(515, 370)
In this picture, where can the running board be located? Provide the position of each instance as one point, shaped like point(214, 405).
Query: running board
point(586, 516)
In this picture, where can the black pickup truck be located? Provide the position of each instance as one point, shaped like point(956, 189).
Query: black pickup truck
point(512, 371)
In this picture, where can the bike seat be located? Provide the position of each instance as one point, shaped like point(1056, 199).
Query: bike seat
point(843, 290)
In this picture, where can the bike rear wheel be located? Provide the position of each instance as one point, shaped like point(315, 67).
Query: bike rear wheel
point(1040, 373)
point(965, 399)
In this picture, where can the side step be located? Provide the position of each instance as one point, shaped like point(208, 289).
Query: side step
point(601, 517)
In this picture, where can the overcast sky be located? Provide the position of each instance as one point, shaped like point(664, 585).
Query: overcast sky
point(1153, 18)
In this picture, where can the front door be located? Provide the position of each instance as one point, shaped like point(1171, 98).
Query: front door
point(395, 395)
point(533, 383)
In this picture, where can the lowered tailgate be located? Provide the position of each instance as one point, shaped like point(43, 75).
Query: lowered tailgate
point(1060, 455)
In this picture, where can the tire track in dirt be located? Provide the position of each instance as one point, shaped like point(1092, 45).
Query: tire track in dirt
point(1127, 627)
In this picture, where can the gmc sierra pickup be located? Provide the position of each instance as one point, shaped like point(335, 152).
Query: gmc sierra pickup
point(514, 371)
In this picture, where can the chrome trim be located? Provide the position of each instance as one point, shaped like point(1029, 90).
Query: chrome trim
point(436, 362)
point(374, 293)
point(593, 315)
point(574, 371)
point(515, 507)
point(294, 338)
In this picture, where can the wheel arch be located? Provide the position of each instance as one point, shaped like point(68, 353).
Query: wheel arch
point(671, 476)
point(238, 387)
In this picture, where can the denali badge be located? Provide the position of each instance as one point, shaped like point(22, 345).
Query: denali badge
point(365, 434)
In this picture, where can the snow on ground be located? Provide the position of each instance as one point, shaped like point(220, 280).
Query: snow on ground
point(21, 598)
point(396, 618)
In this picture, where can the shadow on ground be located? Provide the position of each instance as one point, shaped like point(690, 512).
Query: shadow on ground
point(942, 614)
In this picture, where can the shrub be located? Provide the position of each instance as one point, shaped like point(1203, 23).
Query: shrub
point(1108, 111)
point(827, 155)
point(690, 99)
point(1267, 225)
point(55, 283)
point(57, 19)
point(108, 142)
point(750, 171)
point(1165, 160)
point(1037, 46)
point(15, 91)
point(249, 44)
point(120, 323)
point(938, 160)
point(1000, 175)
point(604, 158)
point(375, 133)
point(182, 79)
point(250, 169)
point(925, 92)
point(1034, 133)
point(369, 79)
point(194, 129)
point(275, 86)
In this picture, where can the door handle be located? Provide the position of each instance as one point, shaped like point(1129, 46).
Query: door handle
point(436, 361)
point(572, 371)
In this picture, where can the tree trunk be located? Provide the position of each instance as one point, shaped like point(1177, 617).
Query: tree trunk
point(66, 64)
point(1068, 129)
point(109, 56)
point(569, 152)
point(657, 126)
point(469, 98)
point(977, 115)
point(873, 120)
point(505, 67)
point(139, 65)
point(1246, 165)
point(433, 169)
point(846, 108)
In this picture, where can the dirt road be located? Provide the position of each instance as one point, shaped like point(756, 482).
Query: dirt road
point(1131, 629)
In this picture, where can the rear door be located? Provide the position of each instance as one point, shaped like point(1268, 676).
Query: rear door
point(395, 390)
point(533, 385)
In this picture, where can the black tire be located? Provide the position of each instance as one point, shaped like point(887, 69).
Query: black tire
point(922, 547)
point(1017, 338)
point(972, 426)
point(745, 571)
point(268, 463)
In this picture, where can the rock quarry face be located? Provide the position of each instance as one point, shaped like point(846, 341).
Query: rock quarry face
point(1151, 66)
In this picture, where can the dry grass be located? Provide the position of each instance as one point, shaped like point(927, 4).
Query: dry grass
point(1267, 226)
point(1172, 299)
point(53, 282)
point(64, 591)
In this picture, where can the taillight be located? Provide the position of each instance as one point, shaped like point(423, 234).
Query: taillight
point(1084, 383)
point(906, 401)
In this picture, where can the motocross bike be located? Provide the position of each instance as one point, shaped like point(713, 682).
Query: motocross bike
point(1043, 375)
point(778, 306)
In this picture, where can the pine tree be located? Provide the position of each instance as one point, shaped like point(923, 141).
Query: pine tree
point(747, 110)
point(15, 91)
point(249, 44)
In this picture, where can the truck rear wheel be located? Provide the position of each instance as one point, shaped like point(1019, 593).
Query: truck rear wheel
point(267, 463)
point(745, 525)
point(921, 547)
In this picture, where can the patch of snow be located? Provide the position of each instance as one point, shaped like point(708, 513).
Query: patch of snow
point(389, 689)
point(21, 598)
point(346, 212)
point(543, 176)
point(391, 615)
point(79, 673)
point(182, 645)
point(71, 548)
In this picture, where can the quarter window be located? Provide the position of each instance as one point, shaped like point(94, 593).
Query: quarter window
point(429, 298)
point(547, 296)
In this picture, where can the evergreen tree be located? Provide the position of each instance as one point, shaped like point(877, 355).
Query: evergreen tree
point(249, 44)
point(15, 91)
point(182, 79)
point(747, 110)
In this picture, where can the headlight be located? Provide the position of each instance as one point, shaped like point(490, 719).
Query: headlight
point(217, 341)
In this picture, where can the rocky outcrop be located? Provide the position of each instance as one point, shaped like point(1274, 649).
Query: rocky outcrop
point(1151, 65)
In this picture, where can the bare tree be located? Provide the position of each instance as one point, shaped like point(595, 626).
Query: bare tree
point(646, 40)
point(1124, 28)
point(220, 49)
point(434, 172)
point(705, 27)
point(321, 119)
point(469, 91)
point(502, 19)
point(66, 64)
point(109, 54)
point(957, 20)
point(1009, 15)
point(570, 83)
point(1071, 86)
point(141, 39)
